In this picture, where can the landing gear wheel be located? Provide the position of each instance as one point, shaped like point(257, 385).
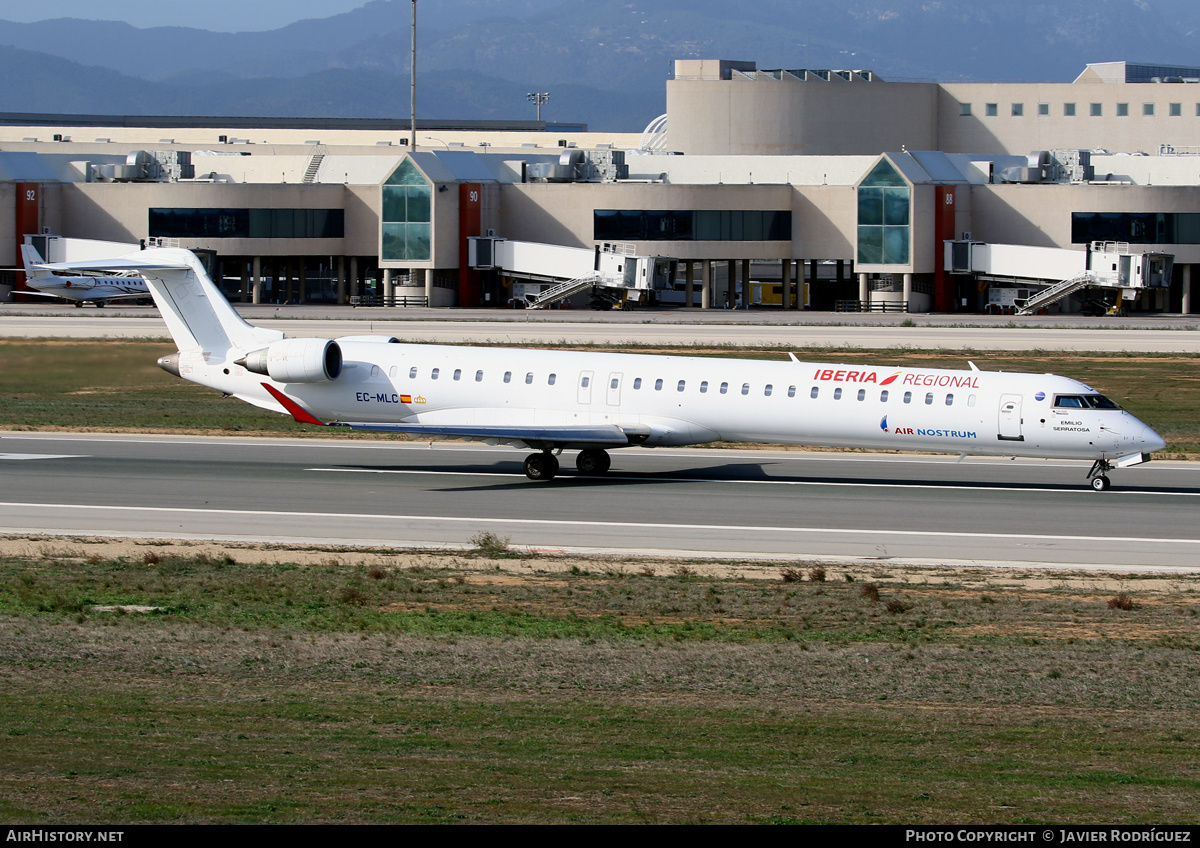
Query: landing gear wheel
point(593, 462)
point(1100, 483)
point(99, 304)
point(541, 466)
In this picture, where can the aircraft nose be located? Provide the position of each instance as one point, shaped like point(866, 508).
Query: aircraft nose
point(1151, 441)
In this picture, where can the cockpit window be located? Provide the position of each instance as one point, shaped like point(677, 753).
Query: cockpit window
point(1083, 402)
point(1099, 402)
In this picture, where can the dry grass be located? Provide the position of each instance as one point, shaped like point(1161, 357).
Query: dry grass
point(371, 686)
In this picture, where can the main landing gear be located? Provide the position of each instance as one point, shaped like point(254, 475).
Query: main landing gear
point(544, 466)
point(1097, 475)
point(541, 466)
point(593, 462)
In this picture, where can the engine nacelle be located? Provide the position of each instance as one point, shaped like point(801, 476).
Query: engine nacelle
point(296, 361)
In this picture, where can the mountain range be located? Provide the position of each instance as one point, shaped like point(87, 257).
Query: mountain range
point(604, 62)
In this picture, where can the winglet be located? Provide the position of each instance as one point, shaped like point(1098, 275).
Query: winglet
point(297, 411)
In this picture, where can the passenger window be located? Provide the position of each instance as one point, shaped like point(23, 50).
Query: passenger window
point(374, 370)
point(745, 388)
point(614, 383)
point(658, 385)
point(412, 373)
point(584, 382)
point(791, 391)
point(767, 389)
point(637, 382)
point(704, 387)
point(434, 375)
point(508, 376)
point(883, 396)
point(724, 388)
point(393, 371)
point(949, 400)
point(862, 394)
point(929, 398)
point(679, 388)
point(478, 376)
point(550, 380)
point(457, 373)
point(970, 400)
point(529, 378)
point(837, 393)
point(814, 391)
point(908, 397)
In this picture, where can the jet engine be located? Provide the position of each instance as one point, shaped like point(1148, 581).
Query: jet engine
point(296, 361)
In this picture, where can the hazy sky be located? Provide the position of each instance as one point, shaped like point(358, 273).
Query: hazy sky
point(217, 15)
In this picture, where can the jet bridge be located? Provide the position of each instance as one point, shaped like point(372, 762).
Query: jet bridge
point(1025, 279)
point(544, 274)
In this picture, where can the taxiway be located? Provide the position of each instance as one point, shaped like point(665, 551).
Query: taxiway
point(687, 502)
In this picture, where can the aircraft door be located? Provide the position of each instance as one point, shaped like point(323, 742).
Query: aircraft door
point(1010, 419)
point(614, 389)
point(585, 386)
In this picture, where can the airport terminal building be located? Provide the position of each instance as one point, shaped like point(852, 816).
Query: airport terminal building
point(815, 189)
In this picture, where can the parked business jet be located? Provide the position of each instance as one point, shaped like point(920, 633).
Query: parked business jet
point(81, 289)
point(550, 401)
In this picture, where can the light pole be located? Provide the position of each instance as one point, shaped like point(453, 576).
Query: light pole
point(431, 138)
point(538, 97)
point(412, 105)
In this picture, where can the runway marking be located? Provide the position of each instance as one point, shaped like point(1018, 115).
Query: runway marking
point(624, 525)
point(1082, 490)
point(20, 456)
point(802, 453)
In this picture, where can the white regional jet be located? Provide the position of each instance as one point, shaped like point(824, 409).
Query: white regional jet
point(81, 289)
point(550, 400)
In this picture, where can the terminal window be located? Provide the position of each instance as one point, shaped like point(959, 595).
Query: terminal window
point(1136, 227)
point(884, 203)
point(1018, 109)
point(246, 223)
point(1148, 109)
point(692, 224)
point(407, 215)
point(964, 109)
point(1097, 110)
point(1069, 110)
point(1175, 110)
point(1122, 110)
point(1043, 110)
point(992, 110)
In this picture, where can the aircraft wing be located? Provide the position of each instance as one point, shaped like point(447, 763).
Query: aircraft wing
point(551, 435)
point(124, 263)
point(580, 434)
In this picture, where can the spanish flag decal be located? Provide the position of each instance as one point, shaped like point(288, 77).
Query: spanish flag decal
point(406, 398)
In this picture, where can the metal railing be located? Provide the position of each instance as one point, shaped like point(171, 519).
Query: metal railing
point(394, 300)
point(870, 306)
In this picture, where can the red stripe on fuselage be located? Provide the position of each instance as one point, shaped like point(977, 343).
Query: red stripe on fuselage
point(294, 408)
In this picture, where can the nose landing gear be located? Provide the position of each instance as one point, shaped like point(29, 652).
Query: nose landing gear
point(1097, 476)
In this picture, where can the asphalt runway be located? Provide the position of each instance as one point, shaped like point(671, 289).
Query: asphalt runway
point(1149, 333)
point(771, 504)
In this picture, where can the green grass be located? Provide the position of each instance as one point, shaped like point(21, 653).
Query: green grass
point(114, 385)
point(430, 688)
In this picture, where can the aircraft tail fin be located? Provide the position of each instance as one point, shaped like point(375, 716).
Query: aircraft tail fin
point(196, 313)
point(33, 263)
